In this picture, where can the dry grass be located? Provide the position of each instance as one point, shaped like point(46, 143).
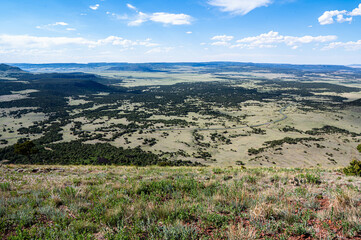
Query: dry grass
point(89, 202)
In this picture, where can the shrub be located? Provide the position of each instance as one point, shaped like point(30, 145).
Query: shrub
point(84, 227)
point(216, 220)
point(217, 171)
point(5, 186)
point(179, 232)
point(52, 213)
point(2, 209)
point(313, 178)
point(23, 217)
point(354, 169)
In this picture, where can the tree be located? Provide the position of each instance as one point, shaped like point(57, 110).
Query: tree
point(26, 148)
point(354, 169)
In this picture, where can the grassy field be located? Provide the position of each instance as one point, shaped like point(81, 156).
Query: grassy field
point(88, 202)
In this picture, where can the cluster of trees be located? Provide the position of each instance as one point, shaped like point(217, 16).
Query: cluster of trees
point(331, 130)
point(78, 153)
point(275, 143)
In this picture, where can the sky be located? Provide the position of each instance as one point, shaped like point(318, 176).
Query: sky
point(263, 31)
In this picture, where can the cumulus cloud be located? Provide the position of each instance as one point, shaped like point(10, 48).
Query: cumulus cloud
point(221, 40)
point(29, 42)
point(239, 6)
point(171, 18)
point(159, 17)
point(269, 40)
point(351, 45)
point(330, 17)
point(94, 7)
point(356, 11)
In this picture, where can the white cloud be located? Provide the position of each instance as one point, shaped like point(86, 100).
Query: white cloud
point(30, 42)
point(223, 38)
point(141, 18)
point(356, 11)
point(71, 29)
point(351, 45)
point(94, 7)
point(159, 17)
point(329, 17)
point(130, 6)
point(162, 17)
point(60, 24)
point(171, 18)
point(272, 39)
point(52, 26)
point(189, 32)
point(239, 6)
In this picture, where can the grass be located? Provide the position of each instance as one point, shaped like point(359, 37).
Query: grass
point(87, 202)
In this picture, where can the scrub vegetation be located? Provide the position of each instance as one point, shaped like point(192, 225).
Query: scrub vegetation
point(217, 114)
point(83, 202)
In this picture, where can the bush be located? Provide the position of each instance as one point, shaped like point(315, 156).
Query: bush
point(179, 232)
point(354, 169)
point(5, 186)
point(313, 178)
point(216, 220)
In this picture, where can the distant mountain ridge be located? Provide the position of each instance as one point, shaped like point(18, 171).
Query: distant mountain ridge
point(9, 69)
point(54, 83)
point(355, 65)
point(165, 67)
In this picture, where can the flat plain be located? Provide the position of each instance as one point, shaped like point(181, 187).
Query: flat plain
point(215, 114)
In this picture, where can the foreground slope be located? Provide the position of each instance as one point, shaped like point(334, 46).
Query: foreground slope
point(58, 202)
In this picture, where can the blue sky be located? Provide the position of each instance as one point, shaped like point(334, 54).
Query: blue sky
point(277, 31)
